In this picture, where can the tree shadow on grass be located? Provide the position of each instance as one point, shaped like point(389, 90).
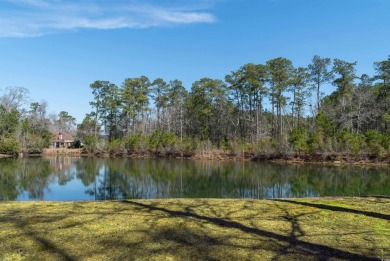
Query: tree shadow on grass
point(277, 243)
point(24, 224)
point(178, 242)
point(336, 208)
point(157, 230)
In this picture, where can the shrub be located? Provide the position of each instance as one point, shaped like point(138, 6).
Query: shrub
point(116, 146)
point(377, 143)
point(132, 142)
point(162, 142)
point(89, 144)
point(77, 144)
point(299, 139)
point(349, 142)
point(9, 146)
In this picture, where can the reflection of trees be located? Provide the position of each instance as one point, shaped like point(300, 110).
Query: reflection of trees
point(128, 178)
point(87, 171)
point(173, 178)
point(63, 168)
point(108, 181)
point(30, 175)
point(8, 179)
point(19, 175)
point(35, 177)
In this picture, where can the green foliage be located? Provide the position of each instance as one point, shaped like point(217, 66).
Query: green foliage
point(116, 146)
point(386, 118)
point(9, 146)
point(9, 121)
point(324, 124)
point(187, 144)
point(35, 144)
point(299, 139)
point(134, 100)
point(316, 142)
point(320, 74)
point(377, 143)
point(89, 144)
point(161, 141)
point(382, 70)
point(346, 72)
point(47, 137)
point(349, 142)
point(106, 104)
point(300, 91)
point(247, 91)
point(77, 144)
point(205, 105)
point(134, 142)
point(231, 115)
point(280, 72)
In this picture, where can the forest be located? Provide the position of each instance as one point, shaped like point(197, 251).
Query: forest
point(259, 111)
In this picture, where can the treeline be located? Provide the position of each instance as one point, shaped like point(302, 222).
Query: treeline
point(259, 110)
point(25, 126)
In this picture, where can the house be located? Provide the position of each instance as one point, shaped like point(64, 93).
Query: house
point(62, 140)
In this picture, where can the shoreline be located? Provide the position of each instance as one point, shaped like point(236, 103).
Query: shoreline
point(3, 156)
point(326, 159)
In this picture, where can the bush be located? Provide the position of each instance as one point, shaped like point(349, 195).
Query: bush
point(77, 144)
point(9, 146)
point(324, 124)
point(162, 142)
point(377, 143)
point(316, 142)
point(89, 144)
point(349, 142)
point(134, 142)
point(116, 146)
point(299, 139)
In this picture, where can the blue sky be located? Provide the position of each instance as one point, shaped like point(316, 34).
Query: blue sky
point(57, 48)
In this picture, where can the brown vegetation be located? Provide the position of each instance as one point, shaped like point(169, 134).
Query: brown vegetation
point(62, 151)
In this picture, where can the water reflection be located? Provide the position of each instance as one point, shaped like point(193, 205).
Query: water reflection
point(63, 178)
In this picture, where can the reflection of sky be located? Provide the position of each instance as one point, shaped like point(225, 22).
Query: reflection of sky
point(71, 191)
point(23, 196)
point(74, 190)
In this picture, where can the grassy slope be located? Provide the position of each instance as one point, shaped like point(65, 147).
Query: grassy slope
point(200, 229)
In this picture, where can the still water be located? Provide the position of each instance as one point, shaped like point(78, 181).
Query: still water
point(63, 178)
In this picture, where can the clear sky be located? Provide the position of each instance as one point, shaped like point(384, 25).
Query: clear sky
point(57, 48)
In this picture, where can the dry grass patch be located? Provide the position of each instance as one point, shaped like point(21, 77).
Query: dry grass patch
point(61, 151)
point(200, 229)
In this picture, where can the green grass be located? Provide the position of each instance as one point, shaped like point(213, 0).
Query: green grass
point(197, 229)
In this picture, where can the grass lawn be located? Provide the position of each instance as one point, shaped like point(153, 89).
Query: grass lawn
point(197, 229)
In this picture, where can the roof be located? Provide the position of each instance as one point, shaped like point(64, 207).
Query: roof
point(65, 136)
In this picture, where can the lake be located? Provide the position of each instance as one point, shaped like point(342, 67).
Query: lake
point(68, 179)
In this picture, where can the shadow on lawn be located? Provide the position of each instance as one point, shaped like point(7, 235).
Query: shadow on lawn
point(196, 231)
point(23, 225)
point(283, 245)
point(43, 243)
point(336, 208)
